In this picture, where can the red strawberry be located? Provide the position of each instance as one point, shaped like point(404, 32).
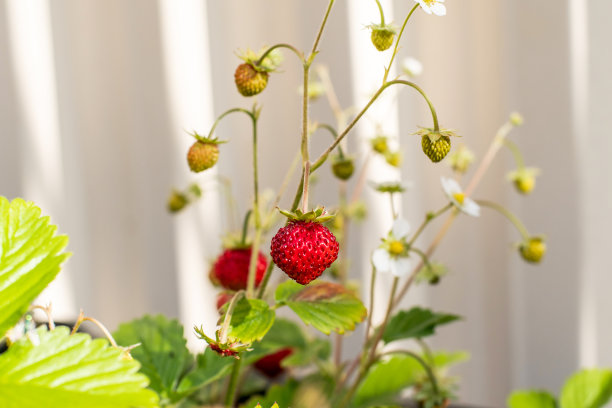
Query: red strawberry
point(223, 298)
point(270, 365)
point(231, 270)
point(304, 249)
point(223, 352)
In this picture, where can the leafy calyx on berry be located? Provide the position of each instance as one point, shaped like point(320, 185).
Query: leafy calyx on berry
point(223, 349)
point(207, 139)
point(318, 215)
point(434, 134)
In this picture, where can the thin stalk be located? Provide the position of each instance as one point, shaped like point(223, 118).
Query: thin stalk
point(48, 311)
point(305, 140)
point(245, 227)
point(230, 397)
point(382, 15)
point(518, 157)
point(299, 54)
point(356, 119)
point(257, 215)
point(253, 262)
point(428, 218)
point(315, 45)
point(224, 114)
point(399, 36)
point(371, 308)
point(265, 280)
point(426, 367)
point(82, 318)
point(228, 316)
point(509, 215)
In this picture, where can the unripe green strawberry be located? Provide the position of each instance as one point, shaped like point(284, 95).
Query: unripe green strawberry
point(533, 249)
point(437, 150)
point(382, 36)
point(249, 80)
point(379, 144)
point(524, 179)
point(202, 155)
point(394, 158)
point(343, 167)
point(435, 142)
point(177, 202)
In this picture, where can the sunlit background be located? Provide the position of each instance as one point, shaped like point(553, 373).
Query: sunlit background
point(96, 98)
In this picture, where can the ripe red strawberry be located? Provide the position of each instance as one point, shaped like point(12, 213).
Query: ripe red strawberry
point(223, 352)
point(249, 80)
point(270, 365)
point(231, 270)
point(223, 298)
point(304, 249)
point(202, 155)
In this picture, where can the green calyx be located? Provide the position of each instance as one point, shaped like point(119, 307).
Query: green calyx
point(317, 215)
point(206, 139)
point(434, 135)
point(389, 187)
point(269, 64)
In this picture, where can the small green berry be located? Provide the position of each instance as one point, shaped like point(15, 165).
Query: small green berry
point(343, 167)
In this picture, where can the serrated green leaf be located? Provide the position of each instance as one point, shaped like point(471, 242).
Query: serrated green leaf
point(162, 353)
point(285, 290)
point(447, 358)
point(587, 389)
point(531, 399)
point(251, 320)
point(210, 367)
point(415, 323)
point(70, 371)
point(386, 379)
point(30, 258)
point(324, 305)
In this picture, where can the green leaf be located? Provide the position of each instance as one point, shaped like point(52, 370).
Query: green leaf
point(251, 320)
point(162, 353)
point(324, 305)
point(416, 322)
point(280, 394)
point(531, 399)
point(30, 258)
point(587, 389)
point(447, 358)
point(70, 371)
point(210, 367)
point(386, 379)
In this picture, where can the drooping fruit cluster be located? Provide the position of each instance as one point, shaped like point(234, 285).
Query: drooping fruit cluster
point(249, 80)
point(304, 248)
point(435, 143)
point(231, 270)
point(270, 365)
point(203, 154)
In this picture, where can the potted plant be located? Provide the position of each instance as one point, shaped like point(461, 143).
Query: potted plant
point(255, 357)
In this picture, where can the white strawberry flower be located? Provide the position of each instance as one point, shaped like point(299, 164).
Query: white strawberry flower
point(433, 6)
point(392, 255)
point(455, 194)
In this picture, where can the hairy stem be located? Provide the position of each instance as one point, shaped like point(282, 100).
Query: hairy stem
point(509, 215)
point(399, 36)
point(230, 397)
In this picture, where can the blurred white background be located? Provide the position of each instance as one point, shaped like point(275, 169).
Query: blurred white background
point(96, 97)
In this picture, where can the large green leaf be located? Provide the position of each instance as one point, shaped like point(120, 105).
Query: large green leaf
point(65, 370)
point(30, 258)
point(251, 320)
point(587, 389)
point(415, 323)
point(386, 379)
point(162, 353)
point(324, 305)
point(531, 399)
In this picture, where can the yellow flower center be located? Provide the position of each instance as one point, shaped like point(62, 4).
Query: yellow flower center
point(430, 2)
point(460, 197)
point(396, 248)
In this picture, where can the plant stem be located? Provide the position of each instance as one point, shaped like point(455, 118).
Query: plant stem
point(371, 308)
point(382, 15)
point(258, 228)
point(299, 54)
point(266, 279)
point(380, 90)
point(245, 227)
point(426, 367)
point(428, 218)
point(399, 36)
point(320, 32)
point(224, 114)
point(230, 397)
point(518, 157)
point(509, 215)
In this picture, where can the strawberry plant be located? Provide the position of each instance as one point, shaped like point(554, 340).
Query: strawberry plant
point(256, 356)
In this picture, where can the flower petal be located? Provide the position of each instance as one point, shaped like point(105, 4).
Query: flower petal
point(424, 6)
point(470, 207)
point(381, 260)
point(438, 9)
point(400, 267)
point(400, 229)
